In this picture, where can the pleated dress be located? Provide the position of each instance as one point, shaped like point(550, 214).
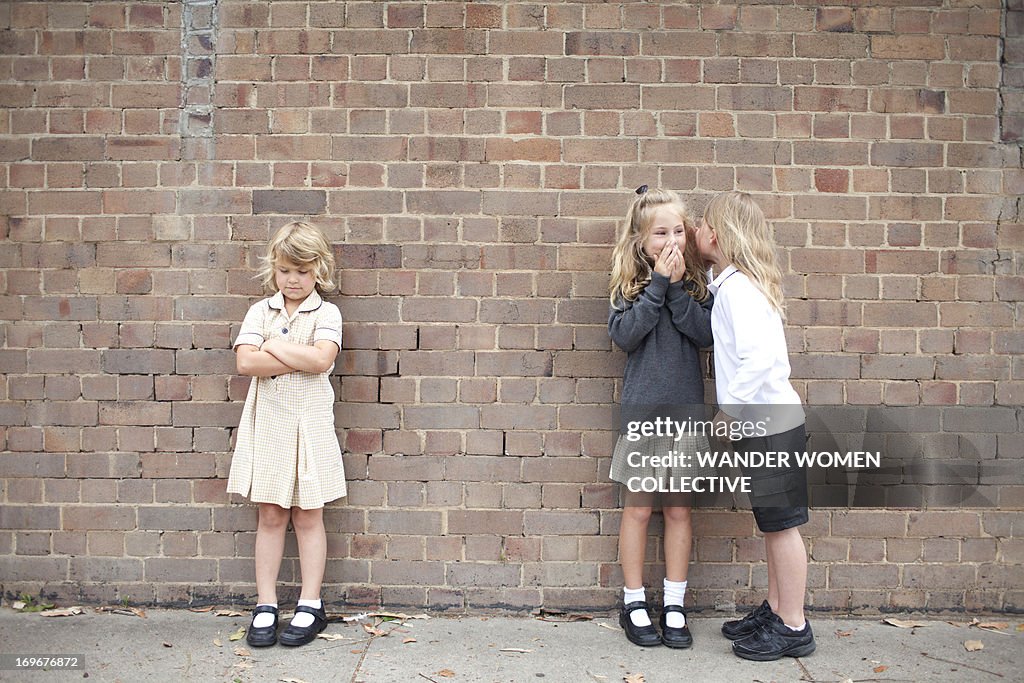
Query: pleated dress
point(287, 451)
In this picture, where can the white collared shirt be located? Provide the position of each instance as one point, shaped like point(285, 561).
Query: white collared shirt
point(751, 359)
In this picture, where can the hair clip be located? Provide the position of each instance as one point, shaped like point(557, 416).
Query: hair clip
point(642, 189)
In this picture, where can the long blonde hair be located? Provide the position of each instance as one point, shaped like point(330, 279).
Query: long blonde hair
point(632, 268)
point(305, 245)
point(743, 237)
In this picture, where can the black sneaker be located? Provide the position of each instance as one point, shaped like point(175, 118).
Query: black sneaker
point(645, 636)
point(775, 640)
point(741, 628)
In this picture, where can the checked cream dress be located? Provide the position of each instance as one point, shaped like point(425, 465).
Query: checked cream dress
point(287, 452)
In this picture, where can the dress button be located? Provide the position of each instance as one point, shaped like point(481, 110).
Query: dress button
point(284, 330)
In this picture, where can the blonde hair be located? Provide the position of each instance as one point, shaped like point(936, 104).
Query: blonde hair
point(631, 267)
point(303, 244)
point(743, 237)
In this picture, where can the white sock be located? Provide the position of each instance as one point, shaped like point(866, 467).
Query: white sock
point(304, 619)
point(796, 628)
point(638, 616)
point(264, 619)
point(675, 593)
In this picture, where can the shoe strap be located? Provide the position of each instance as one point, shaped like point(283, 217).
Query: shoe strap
point(265, 608)
point(673, 608)
point(318, 613)
point(633, 606)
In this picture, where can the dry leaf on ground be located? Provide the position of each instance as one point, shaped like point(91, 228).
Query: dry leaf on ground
point(880, 668)
point(397, 615)
point(973, 645)
point(126, 611)
point(445, 673)
point(238, 635)
point(373, 631)
point(634, 678)
point(66, 612)
point(217, 642)
point(208, 608)
point(1020, 627)
point(356, 617)
point(514, 649)
point(241, 651)
point(408, 640)
point(18, 605)
point(289, 679)
point(331, 636)
point(992, 625)
point(843, 634)
point(559, 615)
point(904, 623)
point(228, 613)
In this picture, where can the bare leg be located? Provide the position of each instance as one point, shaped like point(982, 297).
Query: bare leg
point(312, 538)
point(773, 582)
point(633, 538)
point(269, 550)
point(678, 542)
point(787, 559)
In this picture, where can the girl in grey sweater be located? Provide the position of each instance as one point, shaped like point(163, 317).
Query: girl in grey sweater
point(661, 317)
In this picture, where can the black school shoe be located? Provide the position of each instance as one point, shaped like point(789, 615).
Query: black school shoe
point(263, 636)
point(294, 635)
point(675, 637)
point(741, 628)
point(644, 636)
point(775, 640)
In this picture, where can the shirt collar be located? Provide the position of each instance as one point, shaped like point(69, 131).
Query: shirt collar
point(722, 277)
point(311, 303)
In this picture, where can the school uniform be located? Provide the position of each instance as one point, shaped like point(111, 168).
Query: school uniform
point(287, 451)
point(662, 331)
point(752, 385)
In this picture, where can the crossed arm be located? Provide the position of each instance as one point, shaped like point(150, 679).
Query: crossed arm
point(279, 357)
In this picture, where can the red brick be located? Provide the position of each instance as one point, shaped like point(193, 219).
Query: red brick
point(831, 180)
point(907, 47)
point(830, 99)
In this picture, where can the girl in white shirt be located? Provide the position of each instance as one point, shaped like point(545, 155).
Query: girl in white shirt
point(752, 383)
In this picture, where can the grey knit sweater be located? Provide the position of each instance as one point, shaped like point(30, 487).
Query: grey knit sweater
point(662, 332)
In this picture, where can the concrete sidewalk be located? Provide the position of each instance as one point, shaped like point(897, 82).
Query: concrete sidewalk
point(181, 645)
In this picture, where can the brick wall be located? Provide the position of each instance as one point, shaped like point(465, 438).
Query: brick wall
point(471, 162)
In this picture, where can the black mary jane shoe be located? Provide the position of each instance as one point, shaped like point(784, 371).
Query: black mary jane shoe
point(294, 635)
point(644, 636)
point(675, 637)
point(264, 636)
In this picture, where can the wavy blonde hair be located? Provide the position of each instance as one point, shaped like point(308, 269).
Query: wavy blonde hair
point(743, 236)
point(305, 245)
point(632, 268)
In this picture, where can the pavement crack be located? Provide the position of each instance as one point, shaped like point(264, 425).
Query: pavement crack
point(966, 666)
point(359, 664)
